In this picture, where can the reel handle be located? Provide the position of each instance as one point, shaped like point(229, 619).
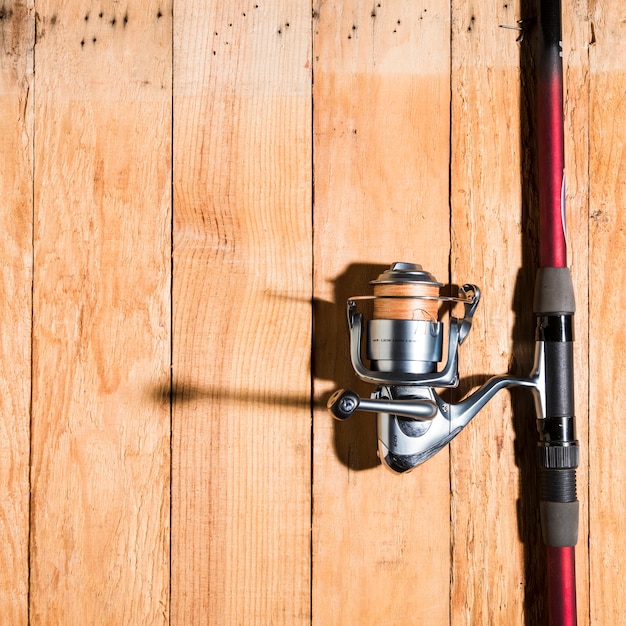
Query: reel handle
point(343, 403)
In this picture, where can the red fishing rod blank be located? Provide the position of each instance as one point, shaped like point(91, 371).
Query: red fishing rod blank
point(558, 452)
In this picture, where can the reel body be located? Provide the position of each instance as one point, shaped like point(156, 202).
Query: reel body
point(404, 343)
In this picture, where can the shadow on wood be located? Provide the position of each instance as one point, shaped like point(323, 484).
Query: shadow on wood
point(523, 412)
point(355, 439)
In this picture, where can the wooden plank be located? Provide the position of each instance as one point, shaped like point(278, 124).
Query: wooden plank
point(487, 248)
point(242, 323)
point(607, 173)
point(498, 573)
point(17, 29)
point(101, 336)
point(381, 146)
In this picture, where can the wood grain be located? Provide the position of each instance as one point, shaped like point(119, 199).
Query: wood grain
point(101, 335)
point(16, 129)
point(381, 137)
point(242, 323)
point(607, 198)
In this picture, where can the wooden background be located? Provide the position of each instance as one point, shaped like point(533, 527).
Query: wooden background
point(189, 193)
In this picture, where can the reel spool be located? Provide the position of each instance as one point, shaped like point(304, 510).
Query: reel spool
point(415, 290)
point(404, 334)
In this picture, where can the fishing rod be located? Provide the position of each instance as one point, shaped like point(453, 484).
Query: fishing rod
point(555, 307)
point(401, 327)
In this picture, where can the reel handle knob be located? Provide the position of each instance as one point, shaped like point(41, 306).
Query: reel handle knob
point(343, 403)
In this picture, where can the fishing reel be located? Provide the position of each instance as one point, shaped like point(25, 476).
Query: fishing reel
point(404, 343)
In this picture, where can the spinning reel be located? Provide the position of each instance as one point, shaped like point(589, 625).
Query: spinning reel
point(404, 343)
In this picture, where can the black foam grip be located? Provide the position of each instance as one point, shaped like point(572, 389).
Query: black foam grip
point(558, 507)
point(559, 523)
